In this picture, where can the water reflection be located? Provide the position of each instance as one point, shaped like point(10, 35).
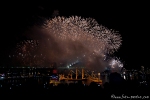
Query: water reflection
point(23, 82)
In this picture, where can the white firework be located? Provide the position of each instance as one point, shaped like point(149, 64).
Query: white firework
point(115, 63)
point(88, 31)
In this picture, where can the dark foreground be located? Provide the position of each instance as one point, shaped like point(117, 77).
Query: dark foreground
point(76, 91)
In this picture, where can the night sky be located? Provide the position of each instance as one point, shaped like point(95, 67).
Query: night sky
point(131, 19)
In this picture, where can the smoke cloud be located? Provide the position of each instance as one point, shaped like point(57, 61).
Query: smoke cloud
point(67, 44)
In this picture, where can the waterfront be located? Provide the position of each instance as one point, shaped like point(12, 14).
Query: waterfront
point(42, 77)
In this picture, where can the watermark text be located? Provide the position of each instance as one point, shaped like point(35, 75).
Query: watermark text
point(123, 96)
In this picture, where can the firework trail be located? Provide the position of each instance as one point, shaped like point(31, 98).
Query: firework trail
point(67, 40)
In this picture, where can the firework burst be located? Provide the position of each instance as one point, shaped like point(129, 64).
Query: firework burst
point(115, 64)
point(88, 31)
point(26, 54)
point(66, 40)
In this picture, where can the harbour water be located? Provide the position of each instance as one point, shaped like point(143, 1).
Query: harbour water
point(13, 83)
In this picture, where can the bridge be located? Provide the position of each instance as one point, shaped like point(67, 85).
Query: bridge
point(79, 76)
